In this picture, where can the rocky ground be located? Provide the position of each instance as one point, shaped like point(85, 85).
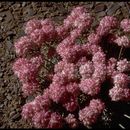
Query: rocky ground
point(13, 15)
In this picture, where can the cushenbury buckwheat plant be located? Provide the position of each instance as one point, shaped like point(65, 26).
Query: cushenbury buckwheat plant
point(83, 67)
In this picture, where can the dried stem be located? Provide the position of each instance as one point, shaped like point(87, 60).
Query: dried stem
point(120, 52)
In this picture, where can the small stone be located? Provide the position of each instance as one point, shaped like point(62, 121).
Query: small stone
point(125, 12)
point(1, 105)
point(5, 102)
point(17, 116)
point(2, 52)
point(1, 75)
point(101, 14)
point(23, 4)
point(9, 97)
point(113, 9)
point(9, 45)
point(99, 8)
point(18, 5)
point(12, 113)
point(29, 99)
point(1, 18)
point(121, 4)
point(10, 33)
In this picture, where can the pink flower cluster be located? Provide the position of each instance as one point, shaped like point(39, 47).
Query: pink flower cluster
point(27, 72)
point(89, 114)
point(125, 25)
point(71, 121)
point(106, 24)
point(120, 91)
point(83, 69)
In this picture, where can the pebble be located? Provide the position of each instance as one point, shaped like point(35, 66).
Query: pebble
point(16, 117)
point(99, 8)
point(1, 75)
point(101, 14)
point(24, 4)
point(1, 105)
point(10, 33)
point(2, 52)
point(9, 97)
point(29, 99)
point(5, 102)
point(113, 9)
point(125, 12)
point(1, 18)
point(121, 4)
point(12, 113)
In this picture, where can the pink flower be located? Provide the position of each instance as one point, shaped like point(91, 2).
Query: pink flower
point(123, 65)
point(86, 70)
point(76, 12)
point(91, 49)
point(106, 24)
point(97, 104)
point(84, 20)
point(89, 86)
point(71, 53)
point(111, 66)
point(68, 21)
point(99, 58)
point(44, 99)
point(121, 80)
point(37, 61)
point(23, 45)
point(60, 79)
point(75, 33)
point(57, 93)
point(55, 121)
point(62, 32)
point(100, 66)
point(81, 18)
point(48, 28)
point(125, 25)
point(89, 114)
point(108, 21)
point(32, 25)
point(67, 70)
point(27, 70)
point(38, 36)
point(103, 31)
point(73, 88)
point(99, 74)
point(71, 121)
point(119, 94)
point(29, 109)
point(122, 41)
point(94, 38)
point(30, 87)
point(41, 119)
